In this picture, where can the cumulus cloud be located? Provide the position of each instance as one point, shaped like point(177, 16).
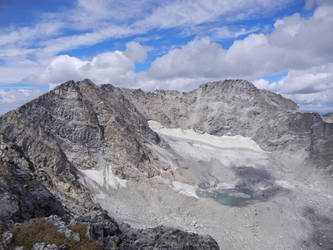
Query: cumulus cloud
point(109, 67)
point(16, 97)
point(295, 43)
point(61, 69)
point(312, 88)
point(198, 58)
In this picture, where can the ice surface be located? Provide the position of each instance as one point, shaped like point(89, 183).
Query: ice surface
point(236, 141)
point(185, 189)
point(228, 150)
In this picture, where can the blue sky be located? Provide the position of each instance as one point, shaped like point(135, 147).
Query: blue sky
point(285, 46)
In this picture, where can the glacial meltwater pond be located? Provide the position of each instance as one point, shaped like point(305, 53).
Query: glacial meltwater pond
point(228, 197)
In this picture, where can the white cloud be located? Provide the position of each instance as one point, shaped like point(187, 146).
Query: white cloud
point(136, 52)
point(108, 67)
point(96, 21)
point(61, 69)
point(198, 58)
point(24, 35)
point(194, 12)
point(311, 88)
point(16, 97)
point(295, 44)
point(263, 84)
point(225, 32)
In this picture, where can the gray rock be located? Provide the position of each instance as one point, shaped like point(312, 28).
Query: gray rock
point(22, 194)
point(44, 246)
point(100, 227)
point(62, 228)
point(6, 240)
point(64, 247)
point(112, 242)
point(165, 238)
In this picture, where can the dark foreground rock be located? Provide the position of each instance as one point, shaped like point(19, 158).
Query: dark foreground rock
point(165, 238)
point(98, 231)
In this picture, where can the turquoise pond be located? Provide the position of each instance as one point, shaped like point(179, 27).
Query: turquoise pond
point(228, 197)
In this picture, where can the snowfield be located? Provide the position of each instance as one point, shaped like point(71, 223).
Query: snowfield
point(236, 141)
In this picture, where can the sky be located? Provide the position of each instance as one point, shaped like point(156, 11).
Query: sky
point(285, 46)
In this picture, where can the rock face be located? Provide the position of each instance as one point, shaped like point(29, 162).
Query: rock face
point(48, 144)
point(237, 107)
point(76, 126)
point(22, 193)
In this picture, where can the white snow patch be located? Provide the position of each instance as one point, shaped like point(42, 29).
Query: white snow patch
point(236, 141)
point(193, 150)
point(284, 184)
point(103, 177)
point(185, 189)
point(225, 186)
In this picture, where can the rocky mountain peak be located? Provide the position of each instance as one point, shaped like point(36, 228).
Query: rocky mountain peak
point(228, 85)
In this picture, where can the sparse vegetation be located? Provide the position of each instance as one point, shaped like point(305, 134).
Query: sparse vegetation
point(42, 230)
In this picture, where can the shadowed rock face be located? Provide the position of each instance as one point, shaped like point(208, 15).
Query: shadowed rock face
point(22, 194)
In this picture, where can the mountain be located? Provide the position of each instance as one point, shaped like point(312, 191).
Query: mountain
point(209, 161)
point(237, 107)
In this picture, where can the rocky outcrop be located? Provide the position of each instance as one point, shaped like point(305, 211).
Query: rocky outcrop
point(22, 193)
point(165, 238)
point(101, 232)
